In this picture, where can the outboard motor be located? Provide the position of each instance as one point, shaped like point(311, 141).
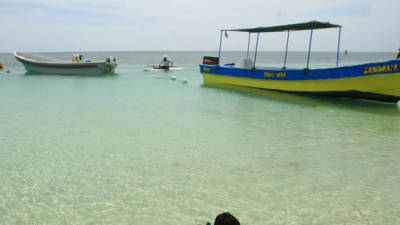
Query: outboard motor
point(111, 59)
point(78, 58)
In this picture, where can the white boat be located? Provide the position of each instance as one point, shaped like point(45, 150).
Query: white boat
point(77, 66)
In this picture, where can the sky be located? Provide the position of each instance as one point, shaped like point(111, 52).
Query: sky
point(153, 25)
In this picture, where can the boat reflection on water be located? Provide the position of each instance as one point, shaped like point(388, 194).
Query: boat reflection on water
point(264, 93)
point(311, 100)
point(105, 75)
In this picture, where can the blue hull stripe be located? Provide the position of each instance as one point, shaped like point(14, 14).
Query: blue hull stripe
point(387, 67)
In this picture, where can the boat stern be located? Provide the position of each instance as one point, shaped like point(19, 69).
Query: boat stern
point(210, 63)
point(109, 65)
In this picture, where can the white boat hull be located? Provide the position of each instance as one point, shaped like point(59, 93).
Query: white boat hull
point(58, 67)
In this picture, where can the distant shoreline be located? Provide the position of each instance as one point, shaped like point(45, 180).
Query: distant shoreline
point(167, 51)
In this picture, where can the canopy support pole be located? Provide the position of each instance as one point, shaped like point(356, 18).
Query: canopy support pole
point(220, 44)
point(248, 46)
point(309, 46)
point(255, 54)
point(287, 44)
point(338, 47)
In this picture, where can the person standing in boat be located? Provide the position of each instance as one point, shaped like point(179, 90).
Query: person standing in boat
point(398, 54)
point(165, 63)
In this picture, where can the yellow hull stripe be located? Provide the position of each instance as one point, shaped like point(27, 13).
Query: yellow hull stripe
point(380, 84)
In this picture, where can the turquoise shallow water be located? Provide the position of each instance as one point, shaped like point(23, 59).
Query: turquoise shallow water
point(140, 148)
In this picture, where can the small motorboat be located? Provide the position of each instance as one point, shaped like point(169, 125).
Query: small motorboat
point(78, 66)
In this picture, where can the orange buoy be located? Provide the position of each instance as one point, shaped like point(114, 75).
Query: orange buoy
point(1, 66)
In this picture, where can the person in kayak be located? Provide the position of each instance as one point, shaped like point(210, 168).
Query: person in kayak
point(165, 63)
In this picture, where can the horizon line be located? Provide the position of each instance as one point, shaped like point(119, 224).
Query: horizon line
point(198, 51)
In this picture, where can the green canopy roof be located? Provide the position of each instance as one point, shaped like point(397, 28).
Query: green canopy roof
point(297, 26)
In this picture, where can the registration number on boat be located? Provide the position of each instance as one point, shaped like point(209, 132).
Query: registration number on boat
point(206, 69)
point(272, 74)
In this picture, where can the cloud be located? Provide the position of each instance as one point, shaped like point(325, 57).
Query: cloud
point(344, 10)
point(59, 25)
point(99, 14)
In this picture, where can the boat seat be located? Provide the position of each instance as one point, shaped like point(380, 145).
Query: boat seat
point(246, 63)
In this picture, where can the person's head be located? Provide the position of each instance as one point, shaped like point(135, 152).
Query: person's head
point(165, 58)
point(226, 219)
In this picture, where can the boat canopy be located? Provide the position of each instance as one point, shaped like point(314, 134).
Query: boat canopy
point(297, 26)
point(312, 25)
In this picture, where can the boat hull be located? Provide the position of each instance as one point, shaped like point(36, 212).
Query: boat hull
point(376, 81)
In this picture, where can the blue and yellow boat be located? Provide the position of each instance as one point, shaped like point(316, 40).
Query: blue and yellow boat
point(375, 81)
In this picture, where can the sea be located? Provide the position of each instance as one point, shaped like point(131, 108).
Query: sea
point(139, 147)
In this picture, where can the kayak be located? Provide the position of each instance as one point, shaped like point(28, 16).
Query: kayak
point(157, 68)
point(161, 67)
